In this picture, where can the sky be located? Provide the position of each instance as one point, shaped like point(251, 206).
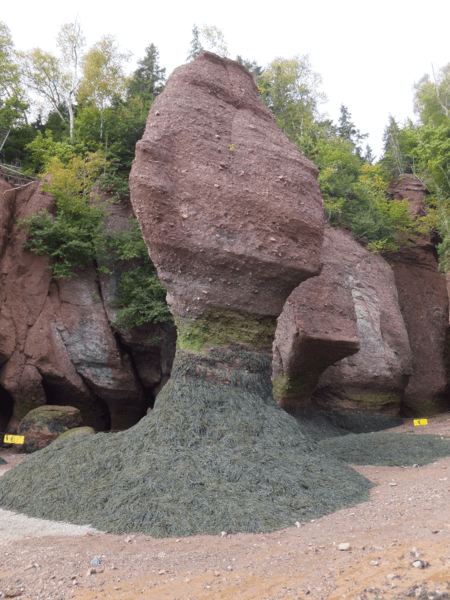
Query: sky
point(368, 54)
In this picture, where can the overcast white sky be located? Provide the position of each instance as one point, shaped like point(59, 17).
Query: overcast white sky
point(368, 54)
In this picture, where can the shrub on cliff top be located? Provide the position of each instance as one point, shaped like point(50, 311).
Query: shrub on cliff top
point(75, 235)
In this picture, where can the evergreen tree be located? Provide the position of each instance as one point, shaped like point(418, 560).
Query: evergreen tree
point(250, 65)
point(347, 130)
point(148, 79)
point(196, 45)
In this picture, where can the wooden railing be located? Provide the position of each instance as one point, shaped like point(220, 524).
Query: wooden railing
point(14, 175)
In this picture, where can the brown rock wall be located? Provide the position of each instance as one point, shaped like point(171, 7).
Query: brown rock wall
point(57, 344)
point(409, 187)
point(423, 301)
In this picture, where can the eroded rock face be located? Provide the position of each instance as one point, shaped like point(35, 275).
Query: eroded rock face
point(408, 187)
point(423, 301)
point(230, 210)
point(58, 342)
point(317, 326)
point(377, 375)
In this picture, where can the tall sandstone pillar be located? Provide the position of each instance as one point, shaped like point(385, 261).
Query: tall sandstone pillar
point(232, 215)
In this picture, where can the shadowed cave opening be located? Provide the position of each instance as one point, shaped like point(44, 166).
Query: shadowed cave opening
point(6, 408)
point(94, 411)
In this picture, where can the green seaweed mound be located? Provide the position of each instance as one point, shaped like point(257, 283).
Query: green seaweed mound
point(209, 458)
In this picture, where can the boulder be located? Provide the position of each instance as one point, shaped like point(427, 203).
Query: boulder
point(423, 297)
point(43, 425)
point(317, 327)
point(377, 375)
point(76, 431)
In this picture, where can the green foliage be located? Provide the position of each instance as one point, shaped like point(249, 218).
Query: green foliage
point(432, 99)
point(354, 195)
point(129, 243)
point(43, 149)
point(290, 88)
point(148, 79)
point(433, 156)
point(122, 125)
point(74, 237)
point(142, 298)
point(347, 130)
point(399, 148)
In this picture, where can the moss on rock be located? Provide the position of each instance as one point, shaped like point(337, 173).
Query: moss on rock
point(292, 390)
point(376, 400)
point(76, 431)
point(43, 425)
point(222, 328)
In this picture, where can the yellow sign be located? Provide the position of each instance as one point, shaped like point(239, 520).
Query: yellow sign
point(14, 439)
point(420, 422)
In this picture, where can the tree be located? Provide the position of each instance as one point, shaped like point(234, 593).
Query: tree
point(148, 79)
point(399, 144)
point(196, 46)
point(432, 98)
point(12, 97)
point(43, 74)
point(212, 37)
point(55, 78)
point(71, 42)
point(290, 88)
point(75, 236)
point(250, 65)
point(347, 130)
point(215, 39)
point(104, 80)
point(9, 69)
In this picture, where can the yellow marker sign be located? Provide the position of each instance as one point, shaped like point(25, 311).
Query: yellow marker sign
point(420, 422)
point(14, 439)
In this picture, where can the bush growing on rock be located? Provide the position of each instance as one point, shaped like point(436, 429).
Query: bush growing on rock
point(75, 237)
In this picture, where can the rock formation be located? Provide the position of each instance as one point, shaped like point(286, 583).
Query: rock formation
point(376, 376)
point(58, 341)
point(317, 326)
point(409, 187)
point(423, 299)
point(232, 215)
point(230, 210)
